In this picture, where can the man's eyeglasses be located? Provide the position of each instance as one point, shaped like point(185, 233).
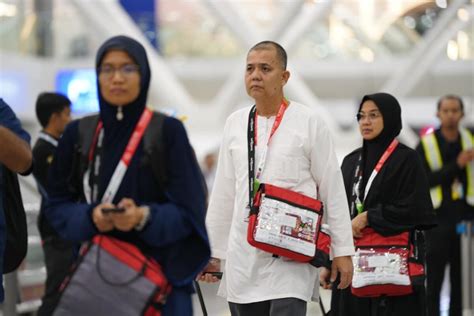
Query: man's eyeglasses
point(126, 71)
point(370, 116)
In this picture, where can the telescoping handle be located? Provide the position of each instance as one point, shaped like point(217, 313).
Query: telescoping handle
point(201, 298)
point(466, 230)
point(199, 292)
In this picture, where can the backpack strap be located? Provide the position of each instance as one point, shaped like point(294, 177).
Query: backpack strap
point(80, 162)
point(155, 152)
point(87, 127)
point(154, 148)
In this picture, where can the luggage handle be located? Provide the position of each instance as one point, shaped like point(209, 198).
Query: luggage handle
point(201, 298)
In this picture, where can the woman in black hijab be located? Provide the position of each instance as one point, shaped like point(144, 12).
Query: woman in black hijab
point(396, 200)
point(165, 222)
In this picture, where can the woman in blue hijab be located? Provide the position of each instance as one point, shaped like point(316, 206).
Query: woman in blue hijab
point(165, 221)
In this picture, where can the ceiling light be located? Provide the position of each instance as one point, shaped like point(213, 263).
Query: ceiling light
point(452, 50)
point(7, 10)
point(463, 14)
point(442, 4)
point(366, 54)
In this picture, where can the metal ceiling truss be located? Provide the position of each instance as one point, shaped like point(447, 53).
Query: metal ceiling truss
point(297, 18)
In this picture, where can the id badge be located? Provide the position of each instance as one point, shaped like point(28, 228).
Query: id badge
point(359, 206)
point(256, 186)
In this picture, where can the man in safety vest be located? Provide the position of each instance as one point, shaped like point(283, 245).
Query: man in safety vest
point(448, 157)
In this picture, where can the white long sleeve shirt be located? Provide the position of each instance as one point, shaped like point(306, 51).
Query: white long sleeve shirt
point(301, 158)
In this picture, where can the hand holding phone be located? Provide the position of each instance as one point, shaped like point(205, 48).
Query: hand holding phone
point(102, 221)
point(107, 210)
point(215, 274)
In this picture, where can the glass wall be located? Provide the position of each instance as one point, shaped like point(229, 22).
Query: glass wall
point(48, 28)
point(350, 30)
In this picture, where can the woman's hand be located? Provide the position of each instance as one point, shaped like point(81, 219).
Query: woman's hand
point(358, 224)
point(127, 220)
point(102, 221)
point(214, 265)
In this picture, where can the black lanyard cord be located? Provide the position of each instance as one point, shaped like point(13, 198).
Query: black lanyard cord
point(251, 152)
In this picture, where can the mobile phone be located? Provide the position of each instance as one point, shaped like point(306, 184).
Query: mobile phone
point(107, 210)
point(216, 274)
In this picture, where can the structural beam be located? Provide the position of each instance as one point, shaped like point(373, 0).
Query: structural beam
point(310, 13)
point(291, 9)
point(165, 88)
point(232, 17)
point(411, 71)
point(287, 36)
point(397, 84)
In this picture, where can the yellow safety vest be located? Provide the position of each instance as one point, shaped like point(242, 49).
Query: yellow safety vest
point(433, 156)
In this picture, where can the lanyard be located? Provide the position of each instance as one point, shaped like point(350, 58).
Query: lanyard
point(123, 164)
point(358, 177)
point(48, 138)
point(252, 141)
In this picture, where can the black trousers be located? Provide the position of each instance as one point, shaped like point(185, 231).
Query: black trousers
point(58, 257)
point(442, 248)
point(278, 307)
point(343, 303)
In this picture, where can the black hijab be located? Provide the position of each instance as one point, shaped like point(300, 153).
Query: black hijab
point(399, 199)
point(117, 133)
point(373, 149)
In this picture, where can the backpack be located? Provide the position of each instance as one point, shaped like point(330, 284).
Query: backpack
point(153, 146)
point(15, 219)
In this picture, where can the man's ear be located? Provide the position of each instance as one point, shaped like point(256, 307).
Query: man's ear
point(285, 76)
point(53, 119)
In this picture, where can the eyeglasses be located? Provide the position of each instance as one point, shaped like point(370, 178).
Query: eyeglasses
point(372, 116)
point(125, 71)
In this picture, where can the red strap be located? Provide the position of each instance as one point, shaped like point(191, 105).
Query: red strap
point(276, 124)
point(95, 139)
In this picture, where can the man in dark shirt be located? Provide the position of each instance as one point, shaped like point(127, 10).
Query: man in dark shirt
point(448, 156)
point(54, 113)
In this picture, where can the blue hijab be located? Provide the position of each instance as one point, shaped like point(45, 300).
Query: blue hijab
point(117, 133)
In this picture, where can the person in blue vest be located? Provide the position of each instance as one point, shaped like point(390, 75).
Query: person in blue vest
point(167, 223)
point(15, 154)
point(448, 157)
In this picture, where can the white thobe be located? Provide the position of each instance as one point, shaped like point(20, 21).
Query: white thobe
point(301, 158)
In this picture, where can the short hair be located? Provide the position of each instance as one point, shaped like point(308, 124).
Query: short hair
point(451, 97)
point(281, 53)
point(49, 103)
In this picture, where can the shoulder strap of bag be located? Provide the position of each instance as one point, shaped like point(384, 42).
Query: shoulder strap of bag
point(15, 220)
